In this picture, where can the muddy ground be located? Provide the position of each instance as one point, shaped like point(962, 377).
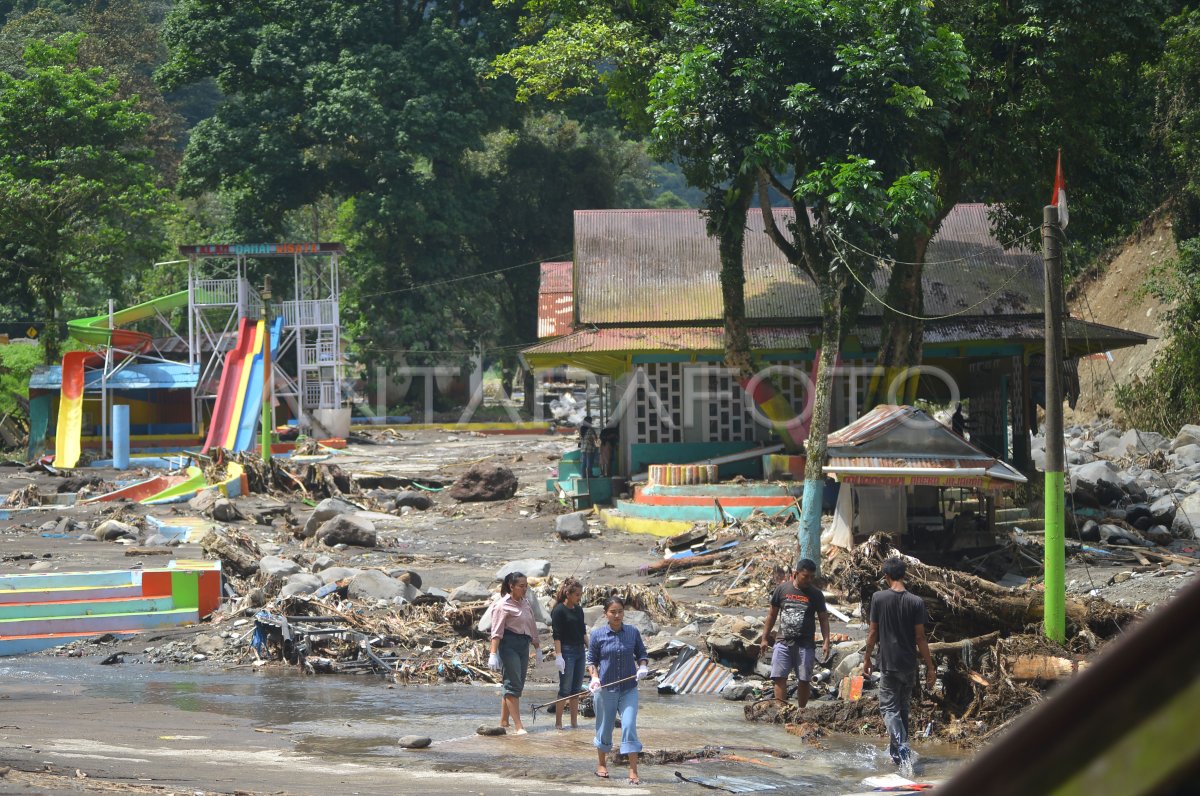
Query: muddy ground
point(68, 727)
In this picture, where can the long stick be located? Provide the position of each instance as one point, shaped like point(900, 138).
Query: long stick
point(584, 692)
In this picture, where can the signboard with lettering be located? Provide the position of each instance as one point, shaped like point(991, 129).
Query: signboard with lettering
point(261, 249)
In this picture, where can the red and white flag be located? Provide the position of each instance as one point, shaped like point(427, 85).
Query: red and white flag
point(1059, 197)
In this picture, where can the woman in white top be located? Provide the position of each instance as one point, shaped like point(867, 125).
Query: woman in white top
point(513, 630)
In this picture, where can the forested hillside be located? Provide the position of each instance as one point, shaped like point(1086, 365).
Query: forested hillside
point(447, 144)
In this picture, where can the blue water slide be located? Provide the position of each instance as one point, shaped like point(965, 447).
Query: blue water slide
point(252, 405)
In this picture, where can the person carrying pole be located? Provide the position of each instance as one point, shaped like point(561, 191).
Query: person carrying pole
point(898, 620)
point(798, 604)
point(613, 653)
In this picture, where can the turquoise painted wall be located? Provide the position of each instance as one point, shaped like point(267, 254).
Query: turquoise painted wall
point(642, 455)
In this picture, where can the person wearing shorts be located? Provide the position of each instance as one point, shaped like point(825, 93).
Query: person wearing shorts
point(797, 604)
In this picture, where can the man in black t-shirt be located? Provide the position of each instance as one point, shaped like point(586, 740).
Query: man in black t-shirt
point(898, 620)
point(797, 604)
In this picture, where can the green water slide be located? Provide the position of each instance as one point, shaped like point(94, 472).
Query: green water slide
point(95, 330)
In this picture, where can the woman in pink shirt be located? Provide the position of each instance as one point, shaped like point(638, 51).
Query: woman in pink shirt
point(513, 630)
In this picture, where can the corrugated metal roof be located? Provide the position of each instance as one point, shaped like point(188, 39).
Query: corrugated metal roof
point(693, 673)
point(1082, 337)
point(874, 424)
point(660, 266)
point(556, 301)
point(144, 376)
point(555, 278)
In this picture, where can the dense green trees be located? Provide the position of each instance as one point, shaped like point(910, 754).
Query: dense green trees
point(79, 200)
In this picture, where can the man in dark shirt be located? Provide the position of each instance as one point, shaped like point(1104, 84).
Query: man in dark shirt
point(898, 619)
point(798, 605)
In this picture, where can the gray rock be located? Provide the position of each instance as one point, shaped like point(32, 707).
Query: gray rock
point(406, 576)
point(592, 614)
point(374, 585)
point(300, 583)
point(1115, 534)
point(331, 574)
point(737, 692)
point(733, 637)
point(1162, 510)
point(158, 540)
point(111, 530)
point(276, 566)
point(488, 729)
point(208, 644)
point(321, 562)
point(484, 481)
point(471, 591)
point(40, 566)
point(1076, 457)
point(846, 666)
point(573, 526)
point(88, 537)
point(1187, 455)
point(204, 501)
point(1188, 435)
point(1159, 534)
point(411, 499)
point(1107, 442)
point(1140, 443)
point(530, 567)
point(1097, 484)
point(326, 510)
point(347, 529)
point(415, 741)
point(224, 510)
point(1187, 517)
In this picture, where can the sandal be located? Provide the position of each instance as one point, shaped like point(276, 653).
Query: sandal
point(601, 774)
point(635, 781)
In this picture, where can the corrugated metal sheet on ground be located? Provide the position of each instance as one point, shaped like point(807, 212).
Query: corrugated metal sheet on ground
point(647, 266)
point(693, 673)
point(730, 784)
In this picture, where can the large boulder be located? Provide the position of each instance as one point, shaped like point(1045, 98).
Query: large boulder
point(735, 638)
point(471, 591)
point(409, 498)
point(224, 510)
point(111, 530)
point(1140, 443)
point(276, 566)
point(1108, 442)
point(300, 583)
point(573, 526)
point(529, 567)
point(1187, 455)
point(326, 510)
point(1188, 435)
point(204, 501)
point(347, 529)
point(375, 585)
point(1162, 510)
point(1187, 517)
point(1097, 484)
point(333, 574)
point(484, 481)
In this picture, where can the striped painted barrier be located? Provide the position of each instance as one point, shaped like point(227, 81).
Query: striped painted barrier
point(682, 474)
point(46, 609)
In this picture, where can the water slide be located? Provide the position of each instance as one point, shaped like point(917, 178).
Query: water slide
point(252, 396)
point(95, 331)
point(223, 416)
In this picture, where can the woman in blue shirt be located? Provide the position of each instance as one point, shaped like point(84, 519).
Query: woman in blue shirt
point(616, 653)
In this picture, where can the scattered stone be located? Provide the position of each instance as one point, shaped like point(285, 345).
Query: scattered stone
point(1090, 532)
point(333, 574)
point(208, 645)
point(1187, 517)
point(1187, 455)
point(735, 638)
point(376, 585)
point(224, 510)
point(1159, 534)
point(110, 530)
point(1188, 435)
point(300, 583)
point(484, 481)
point(326, 510)
point(573, 526)
point(471, 591)
point(321, 562)
point(88, 537)
point(530, 567)
point(41, 566)
point(274, 566)
point(415, 741)
point(487, 729)
point(1140, 443)
point(411, 499)
point(1163, 509)
point(738, 691)
point(1097, 484)
point(347, 529)
point(204, 501)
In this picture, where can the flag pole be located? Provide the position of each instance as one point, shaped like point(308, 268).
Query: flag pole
point(1054, 619)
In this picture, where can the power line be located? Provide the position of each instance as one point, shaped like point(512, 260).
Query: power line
point(464, 278)
point(1002, 247)
point(901, 312)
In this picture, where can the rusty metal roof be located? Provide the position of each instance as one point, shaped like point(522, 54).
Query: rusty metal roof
point(1082, 337)
point(556, 301)
point(660, 266)
point(693, 673)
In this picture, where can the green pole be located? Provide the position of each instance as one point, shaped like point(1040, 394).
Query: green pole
point(267, 393)
point(1054, 619)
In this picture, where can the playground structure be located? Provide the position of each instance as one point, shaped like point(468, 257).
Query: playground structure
point(211, 375)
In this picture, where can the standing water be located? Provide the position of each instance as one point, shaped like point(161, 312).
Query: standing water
point(358, 720)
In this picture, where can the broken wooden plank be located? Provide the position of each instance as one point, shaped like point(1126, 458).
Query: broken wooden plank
point(697, 581)
point(1044, 667)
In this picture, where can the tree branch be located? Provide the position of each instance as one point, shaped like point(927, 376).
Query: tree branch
point(768, 214)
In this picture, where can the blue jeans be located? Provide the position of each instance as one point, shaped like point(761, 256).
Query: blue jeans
point(609, 703)
point(570, 682)
point(587, 462)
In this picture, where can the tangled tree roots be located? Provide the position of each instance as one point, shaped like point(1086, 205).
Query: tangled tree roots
point(963, 605)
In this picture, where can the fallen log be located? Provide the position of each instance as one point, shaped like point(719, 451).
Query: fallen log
point(1044, 667)
point(672, 564)
point(148, 551)
point(970, 643)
